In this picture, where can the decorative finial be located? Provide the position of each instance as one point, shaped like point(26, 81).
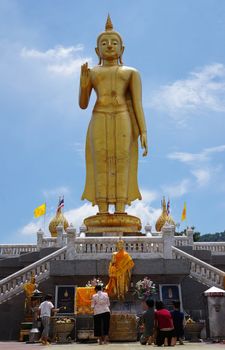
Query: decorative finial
point(108, 25)
point(164, 217)
point(164, 205)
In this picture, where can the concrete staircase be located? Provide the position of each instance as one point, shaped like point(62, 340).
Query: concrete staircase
point(201, 271)
point(13, 284)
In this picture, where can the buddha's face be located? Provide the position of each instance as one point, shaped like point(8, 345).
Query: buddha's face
point(120, 245)
point(110, 46)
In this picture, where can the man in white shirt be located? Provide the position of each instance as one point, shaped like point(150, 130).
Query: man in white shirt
point(45, 310)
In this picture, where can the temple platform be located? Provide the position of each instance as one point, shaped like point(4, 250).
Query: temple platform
point(112, 346)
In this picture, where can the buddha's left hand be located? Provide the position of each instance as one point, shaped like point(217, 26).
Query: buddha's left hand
point(144, 143)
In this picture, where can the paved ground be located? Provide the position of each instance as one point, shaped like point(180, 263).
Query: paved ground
point(113, 346)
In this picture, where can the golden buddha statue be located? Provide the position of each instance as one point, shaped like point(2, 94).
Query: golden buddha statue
point(117, 122)
point(119, 272)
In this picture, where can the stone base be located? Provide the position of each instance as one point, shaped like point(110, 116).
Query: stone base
point(123, 327)
point(113, 225)
point(85, 334)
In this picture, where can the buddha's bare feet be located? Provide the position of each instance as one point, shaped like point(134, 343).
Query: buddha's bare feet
point(103, 208)
point(120, 207)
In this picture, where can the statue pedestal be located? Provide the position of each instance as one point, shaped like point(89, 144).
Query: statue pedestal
point(112, 225)
point(123, 327)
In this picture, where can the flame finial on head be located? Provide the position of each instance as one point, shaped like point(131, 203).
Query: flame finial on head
point(108, 25)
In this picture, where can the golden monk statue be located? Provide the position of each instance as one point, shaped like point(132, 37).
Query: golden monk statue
point(29, 288)
point(119, 272)
point(117, 122)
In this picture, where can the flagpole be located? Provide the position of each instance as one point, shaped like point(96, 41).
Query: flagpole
point(44, 216)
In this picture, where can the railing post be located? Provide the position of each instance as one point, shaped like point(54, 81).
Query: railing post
point(59, 241)
point(40, 235)
point(168, 232)
point(148, 229)
point(83, 229)
point(71, 236)
point(190, 234)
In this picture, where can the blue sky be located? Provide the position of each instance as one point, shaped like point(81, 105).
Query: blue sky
point(178, 47)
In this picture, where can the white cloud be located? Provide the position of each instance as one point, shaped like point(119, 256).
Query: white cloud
point(144, 212)
point(76, 216)
point(200, 164)
point(186, 157)
point(149, 196)
point(79, 148)
point(68, 68)
point(31, 228)
point(141, 209)
point(56, 192)
point(202, 90)
point(217, 149)
point(178, 189)
point(205, 155)
point(59, 52)
point(203, 176)
point(63, 61)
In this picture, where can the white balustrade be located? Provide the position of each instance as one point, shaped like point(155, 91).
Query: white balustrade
point(106, 245)
point(13, 284)
point(49, 242)
point(182, 241)
point(216, 248)
point(203, 272)
point(16, 249)
point(99, 247)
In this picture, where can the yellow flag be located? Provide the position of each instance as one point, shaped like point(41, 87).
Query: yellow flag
point(183, 215)
point(39, 211)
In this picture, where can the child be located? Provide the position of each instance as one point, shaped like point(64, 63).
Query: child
point(178, 321)
point(148, 322)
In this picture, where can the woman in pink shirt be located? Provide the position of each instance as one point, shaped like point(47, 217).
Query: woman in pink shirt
point(164, 325)
point(100, 303)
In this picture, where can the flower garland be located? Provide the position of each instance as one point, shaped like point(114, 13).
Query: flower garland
point(94, 282)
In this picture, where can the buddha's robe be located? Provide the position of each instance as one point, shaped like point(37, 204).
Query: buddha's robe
point(112, 141)
point(119, 274)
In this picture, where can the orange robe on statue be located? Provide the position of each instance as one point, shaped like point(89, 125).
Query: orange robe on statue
point(119, 274)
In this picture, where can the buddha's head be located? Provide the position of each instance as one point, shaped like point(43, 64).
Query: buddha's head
point(32, 279)
point(120, 244)
point(109, 44)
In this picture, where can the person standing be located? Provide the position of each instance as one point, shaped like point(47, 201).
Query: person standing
point(148, 322)
point(178, 321)
point(45, 310)
point(100, 303)
point(164, 325)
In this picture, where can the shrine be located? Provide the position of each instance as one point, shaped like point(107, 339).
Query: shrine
point(131, 262)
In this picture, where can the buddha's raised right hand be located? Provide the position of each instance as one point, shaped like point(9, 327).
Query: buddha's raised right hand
point(85, 75)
